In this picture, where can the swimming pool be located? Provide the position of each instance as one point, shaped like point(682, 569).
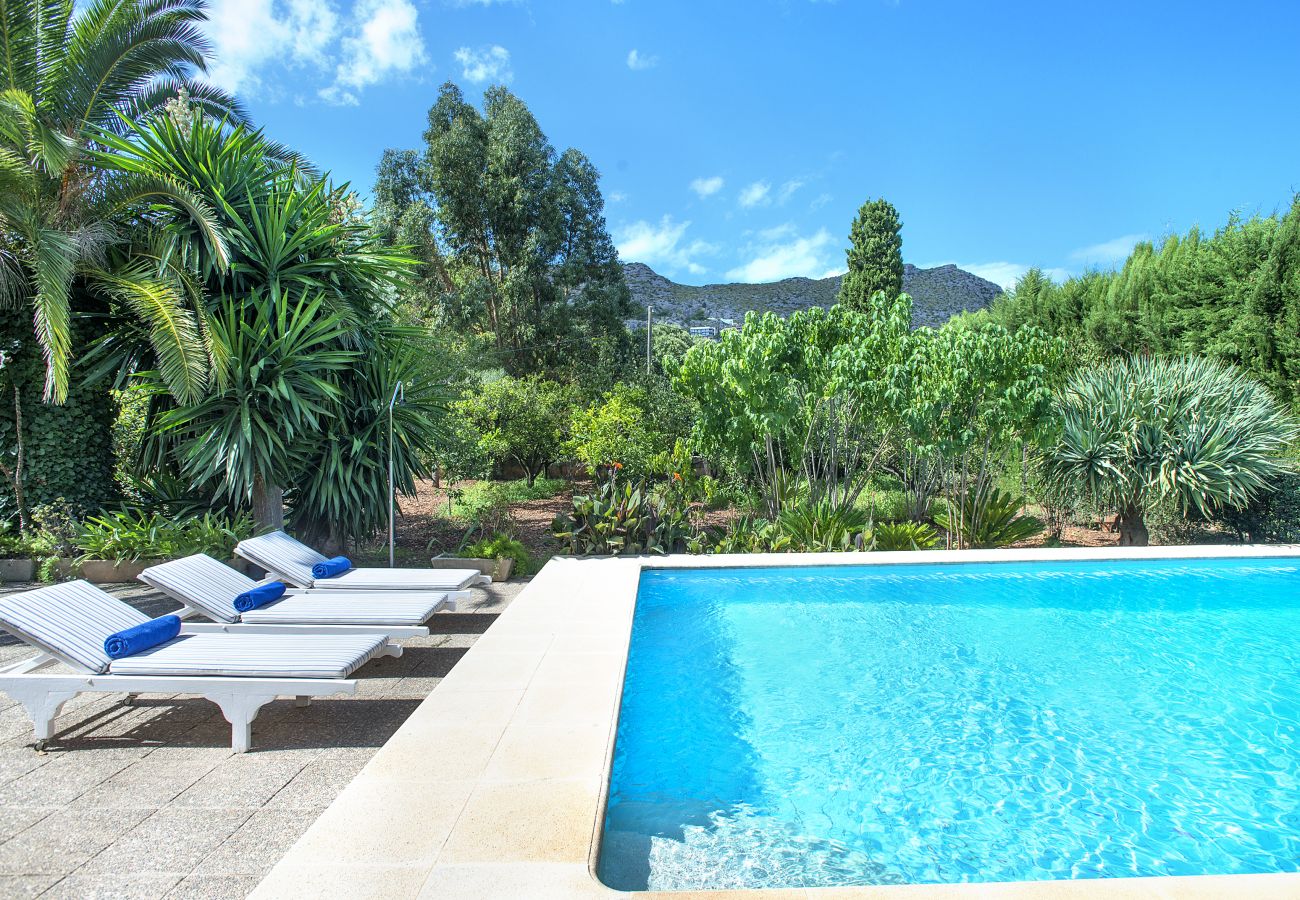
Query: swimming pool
point(799, 727)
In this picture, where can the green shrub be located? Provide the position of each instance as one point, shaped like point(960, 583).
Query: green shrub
point(132, 535)
point(904, 536)
point(747, 534)
point(824, 527)
point(986, 517)
point(501, 546)
point(1271, 518)
point(623, 518)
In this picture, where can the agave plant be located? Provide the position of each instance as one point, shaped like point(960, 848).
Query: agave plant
point(1133, 432)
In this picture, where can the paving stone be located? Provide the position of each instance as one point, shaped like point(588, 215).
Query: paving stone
point(171, 841)
point(66, 838)
point(131, 885)
point(15, 819)
point(257, 845)
point(21, 887)
point(147, 799)
point(214, 887)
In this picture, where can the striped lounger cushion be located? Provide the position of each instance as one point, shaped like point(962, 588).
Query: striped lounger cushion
point(291, 560)
point(255, 656)
point(387, 608)
point(69, 621)
point(204, 584)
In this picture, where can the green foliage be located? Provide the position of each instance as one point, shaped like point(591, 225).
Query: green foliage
point(510, 234)
point(635, 425)
point(521, 420)
point(626, 517)
point(501, 546)
point(1233, 296)
point(747, 534)
point(813, 394)
point(1272, 517)
point(1192, 431)
point(134, 534)
point(68, 235)
point(67, 451)
point(904, 536)
point(986, 517)
point(875, 256)
point(487, 502)
point(823, 527)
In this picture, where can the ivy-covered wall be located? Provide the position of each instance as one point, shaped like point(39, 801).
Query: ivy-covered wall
point(68, 449)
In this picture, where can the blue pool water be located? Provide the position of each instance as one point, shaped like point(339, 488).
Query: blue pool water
point(1002, 722)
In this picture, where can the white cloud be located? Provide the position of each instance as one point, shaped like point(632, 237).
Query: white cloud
point(789, 188)
point(820, 201)
point(784, 254)
point(357, 44)
point(1004, 274)
point(247, 35)
point(834, 272)
point(662, 245)
point(637, 61)
point(487, 64)
point(1108, 252)
point(707, 187)
point(383, 38)
point(616, 197)
point(756, 194)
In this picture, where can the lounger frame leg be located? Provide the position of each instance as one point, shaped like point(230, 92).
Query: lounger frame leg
point(43, 706)
point(240, 709)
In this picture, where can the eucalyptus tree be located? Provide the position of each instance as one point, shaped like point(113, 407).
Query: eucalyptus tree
point(511, 235)
point(1136, 431)
point(69, 75)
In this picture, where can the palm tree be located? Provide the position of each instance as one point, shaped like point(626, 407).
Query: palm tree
point(68, 79)
point(1133, 432)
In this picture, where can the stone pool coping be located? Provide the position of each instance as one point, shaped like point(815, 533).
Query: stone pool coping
point(495, 786)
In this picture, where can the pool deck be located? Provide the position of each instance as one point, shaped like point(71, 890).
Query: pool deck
point(494, 786)
point(147, 801)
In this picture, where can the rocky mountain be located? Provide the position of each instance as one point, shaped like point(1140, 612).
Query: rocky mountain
point(937, 295)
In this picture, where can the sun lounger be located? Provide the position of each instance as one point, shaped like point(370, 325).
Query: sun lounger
point(69, 623)
point(292, 561)
point(209, 587)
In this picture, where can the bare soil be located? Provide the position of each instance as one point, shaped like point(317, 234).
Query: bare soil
point(425, 529)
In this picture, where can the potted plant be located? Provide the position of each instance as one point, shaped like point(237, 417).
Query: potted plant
point(497, 555)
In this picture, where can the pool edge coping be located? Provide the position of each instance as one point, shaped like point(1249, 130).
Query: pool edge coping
point(555, 611)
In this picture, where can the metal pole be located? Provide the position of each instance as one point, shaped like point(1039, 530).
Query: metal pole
point(649, 325)
point(399, 391)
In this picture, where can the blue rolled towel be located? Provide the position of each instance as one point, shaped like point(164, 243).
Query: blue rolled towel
point(141, 637)
point(259, 596)
point(331, 567)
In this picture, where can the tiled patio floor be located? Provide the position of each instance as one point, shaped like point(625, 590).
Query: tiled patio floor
point(148, 801)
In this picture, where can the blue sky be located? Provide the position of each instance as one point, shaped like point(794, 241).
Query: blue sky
point(736, 140)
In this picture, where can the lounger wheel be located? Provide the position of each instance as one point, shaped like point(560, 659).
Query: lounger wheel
point(41, 745)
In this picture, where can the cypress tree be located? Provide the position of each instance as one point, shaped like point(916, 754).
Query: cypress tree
point(875, 255)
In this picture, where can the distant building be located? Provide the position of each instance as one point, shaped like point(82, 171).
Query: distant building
point(703, 331)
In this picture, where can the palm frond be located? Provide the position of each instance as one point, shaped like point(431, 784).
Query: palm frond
point(174, 331)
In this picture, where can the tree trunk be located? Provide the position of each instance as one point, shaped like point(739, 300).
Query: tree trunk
point(1132, 527)
point(268, 504)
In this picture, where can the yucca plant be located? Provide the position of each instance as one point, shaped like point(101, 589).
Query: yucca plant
point(1133, 432)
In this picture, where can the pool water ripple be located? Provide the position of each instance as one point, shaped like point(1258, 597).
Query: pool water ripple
point(807, 727)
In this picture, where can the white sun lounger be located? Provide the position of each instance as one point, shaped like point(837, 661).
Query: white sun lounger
point(241, 673)
point(209, 587)
point(291, 561)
